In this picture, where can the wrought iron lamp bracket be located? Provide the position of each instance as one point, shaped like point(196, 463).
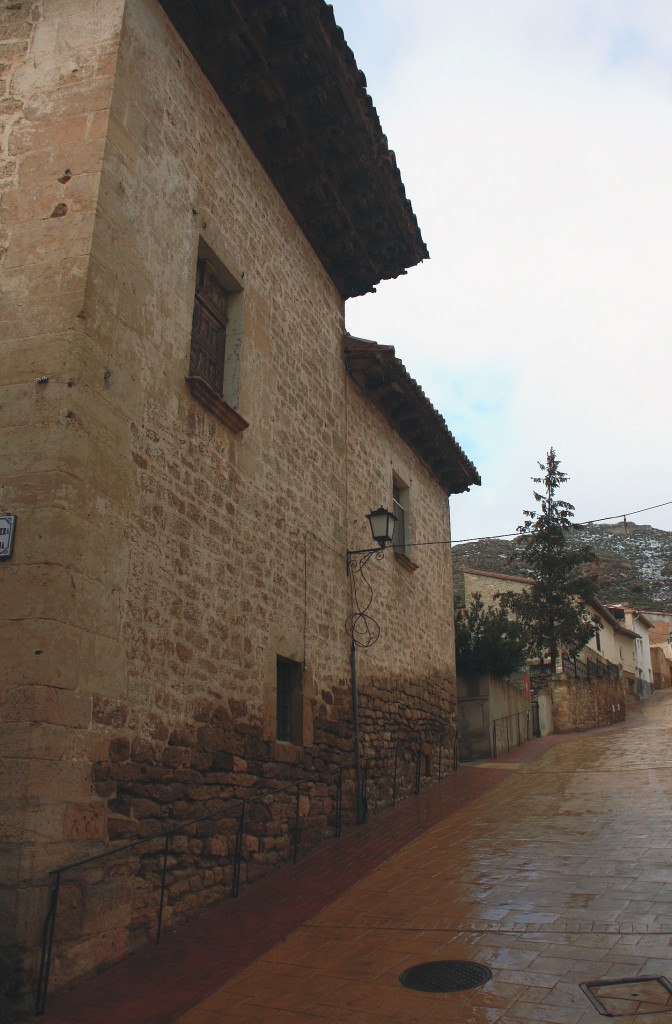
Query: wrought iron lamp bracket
point(355, 563)
point(361, 627)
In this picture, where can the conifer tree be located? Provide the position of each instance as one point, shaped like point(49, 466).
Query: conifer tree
point(552, 611)
point(487, 639)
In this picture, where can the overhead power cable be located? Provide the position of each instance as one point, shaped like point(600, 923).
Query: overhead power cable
point(588, 522)
point(504, 536)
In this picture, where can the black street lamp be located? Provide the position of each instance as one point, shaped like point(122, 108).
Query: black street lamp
point(382, 526)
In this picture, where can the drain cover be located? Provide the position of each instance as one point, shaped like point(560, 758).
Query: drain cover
point(628, 997)
point(445, 976)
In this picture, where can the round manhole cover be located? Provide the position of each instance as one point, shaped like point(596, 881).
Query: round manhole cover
point(445, 976)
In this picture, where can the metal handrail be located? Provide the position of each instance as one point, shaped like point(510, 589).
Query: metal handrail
point(415, 748)
point(593, 666)
point(496, 725)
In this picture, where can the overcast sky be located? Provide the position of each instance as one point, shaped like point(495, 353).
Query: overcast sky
point(534, 138)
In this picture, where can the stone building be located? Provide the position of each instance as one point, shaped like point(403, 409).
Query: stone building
point(661, 626)
point(660, 639)
point(614, 642)
point(579, 693)
point(661, 662)
point(190, 445)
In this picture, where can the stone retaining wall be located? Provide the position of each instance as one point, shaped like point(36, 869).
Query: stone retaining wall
point(580, 705)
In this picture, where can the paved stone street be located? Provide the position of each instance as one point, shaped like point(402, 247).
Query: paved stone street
point(557, 871)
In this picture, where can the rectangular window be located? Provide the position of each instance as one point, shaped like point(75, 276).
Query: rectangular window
point(289, 701)
point(216, 340)
point(400, 508)
point(208, 329)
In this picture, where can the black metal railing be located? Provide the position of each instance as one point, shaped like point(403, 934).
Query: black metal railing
point(511, 731)
point(590, 668)
point(275, 820)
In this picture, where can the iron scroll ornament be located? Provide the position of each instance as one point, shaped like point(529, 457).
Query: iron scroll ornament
point(361, 627)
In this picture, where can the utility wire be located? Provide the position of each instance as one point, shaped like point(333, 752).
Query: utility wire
point(588, 522)
point(504, 536)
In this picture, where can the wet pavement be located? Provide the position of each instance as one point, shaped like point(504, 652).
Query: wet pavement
point(551, 867)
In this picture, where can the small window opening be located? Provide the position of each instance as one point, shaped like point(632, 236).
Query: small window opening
point(216, 340)
point(400, 502)
point(289, 701)
point(208, 329)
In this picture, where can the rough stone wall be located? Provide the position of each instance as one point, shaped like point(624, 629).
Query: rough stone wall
point(661, 659)
point(661, 627)
point(579, 705)
point(59, 58)
point(162, 562)
point(409, 673)
point(488, 587)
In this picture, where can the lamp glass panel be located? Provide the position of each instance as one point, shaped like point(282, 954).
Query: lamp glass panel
point(382, 525)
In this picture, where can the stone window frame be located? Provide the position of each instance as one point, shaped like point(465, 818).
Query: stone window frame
point(221, 401)
point(289, 701)
point(401, 506)
point(288, 643)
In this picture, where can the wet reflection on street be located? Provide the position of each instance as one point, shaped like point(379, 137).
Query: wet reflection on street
point(560, 875)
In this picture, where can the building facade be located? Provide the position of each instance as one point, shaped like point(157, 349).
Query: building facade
point(638, 665)
point(578, 693)
point(614, 642)
point(660, 642)
point(191, 444)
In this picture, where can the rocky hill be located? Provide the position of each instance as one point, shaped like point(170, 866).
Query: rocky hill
point(634, 563)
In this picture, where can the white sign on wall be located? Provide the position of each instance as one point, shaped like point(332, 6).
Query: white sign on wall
point(7, 524)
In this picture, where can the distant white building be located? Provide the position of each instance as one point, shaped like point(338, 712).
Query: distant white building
point(641, 667)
